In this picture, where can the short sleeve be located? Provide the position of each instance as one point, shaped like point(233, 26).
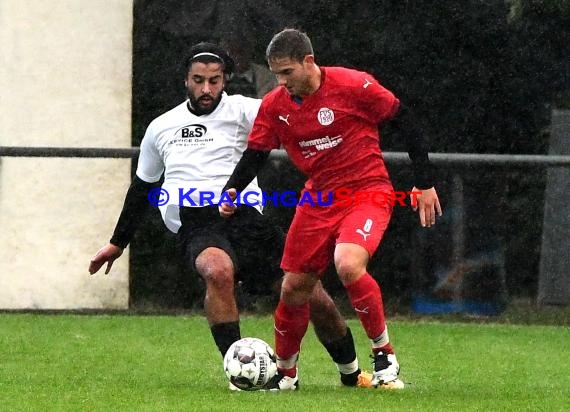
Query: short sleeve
point(376, 103)
point(262, 137)
point(250, 110)
point(150, 165)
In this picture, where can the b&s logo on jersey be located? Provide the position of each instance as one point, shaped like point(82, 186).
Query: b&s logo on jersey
point(193, 130)
point(191, 135)
point(325, 116)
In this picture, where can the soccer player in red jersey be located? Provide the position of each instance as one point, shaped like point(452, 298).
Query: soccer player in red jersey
point(326, 119)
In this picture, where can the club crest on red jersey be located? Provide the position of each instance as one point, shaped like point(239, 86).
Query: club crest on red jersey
point(325, 116)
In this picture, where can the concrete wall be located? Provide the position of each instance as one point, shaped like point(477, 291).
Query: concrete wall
point(65, 77)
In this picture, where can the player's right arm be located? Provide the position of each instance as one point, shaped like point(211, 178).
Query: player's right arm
point(134, 208)
point(107, 254)
point(247, 168)
point(261, 141)
point(149, 169)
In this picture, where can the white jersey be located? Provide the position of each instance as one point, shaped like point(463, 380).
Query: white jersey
point(197, 154)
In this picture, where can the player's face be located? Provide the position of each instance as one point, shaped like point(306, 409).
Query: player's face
point(292, 74)
point(204, 84)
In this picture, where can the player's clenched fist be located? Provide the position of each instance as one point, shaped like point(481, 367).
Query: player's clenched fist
point(226, 208)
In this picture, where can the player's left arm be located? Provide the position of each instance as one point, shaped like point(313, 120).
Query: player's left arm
point(425, 199)
point(378, 105)
point(245, 171)
point(260, 143)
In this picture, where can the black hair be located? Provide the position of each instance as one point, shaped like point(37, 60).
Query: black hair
point(210, 53)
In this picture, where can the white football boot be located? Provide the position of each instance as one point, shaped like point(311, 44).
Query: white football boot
point(282, 383)
point(386, 370)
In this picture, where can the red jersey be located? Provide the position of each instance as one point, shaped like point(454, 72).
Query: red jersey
point(332, 134)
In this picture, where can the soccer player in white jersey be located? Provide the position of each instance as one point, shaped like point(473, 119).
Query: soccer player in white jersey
point(196, 145)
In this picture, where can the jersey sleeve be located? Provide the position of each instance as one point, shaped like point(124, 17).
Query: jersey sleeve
point(250, 110)
point(261, 137)
point(150, 165)
point(376, 102)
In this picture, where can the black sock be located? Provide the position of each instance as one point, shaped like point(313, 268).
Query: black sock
point(342, 350)
point(350, 379)
point(225, 334)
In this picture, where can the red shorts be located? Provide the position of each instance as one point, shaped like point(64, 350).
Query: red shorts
point(315, 232)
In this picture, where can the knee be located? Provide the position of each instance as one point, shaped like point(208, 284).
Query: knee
point(296, 289)
point(218, 273)
point(349, 269)
point(218, 277)
point(350, 262)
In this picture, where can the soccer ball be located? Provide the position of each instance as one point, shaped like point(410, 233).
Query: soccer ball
point(249, 363)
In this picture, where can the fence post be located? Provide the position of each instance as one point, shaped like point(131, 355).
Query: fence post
point(554, 273)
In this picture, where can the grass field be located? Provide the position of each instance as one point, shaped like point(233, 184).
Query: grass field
point(70, 362)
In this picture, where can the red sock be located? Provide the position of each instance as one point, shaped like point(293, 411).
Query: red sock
point(386, 349)
point(366, 300)
point(291, 323)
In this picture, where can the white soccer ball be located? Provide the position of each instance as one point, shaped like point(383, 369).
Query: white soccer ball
point(249, 364)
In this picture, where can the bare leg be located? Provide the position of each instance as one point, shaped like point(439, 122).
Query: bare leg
point(329, 324)
point(217, 269)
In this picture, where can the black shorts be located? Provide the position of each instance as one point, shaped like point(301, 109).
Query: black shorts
point(252, 241)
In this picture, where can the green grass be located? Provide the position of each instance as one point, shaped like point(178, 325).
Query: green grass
point(71, 362)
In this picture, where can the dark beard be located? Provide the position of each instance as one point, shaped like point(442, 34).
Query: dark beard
point(196, 107)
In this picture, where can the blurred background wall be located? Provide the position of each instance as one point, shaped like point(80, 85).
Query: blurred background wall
point(65, 76)
point(482, 77)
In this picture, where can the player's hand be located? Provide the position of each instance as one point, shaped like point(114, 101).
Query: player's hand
point(227, 209)
point(427, 204)
point(107, 254)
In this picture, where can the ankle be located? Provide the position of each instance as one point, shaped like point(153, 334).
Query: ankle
point(350, 379)
point(386, 350)
point(290, 372)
